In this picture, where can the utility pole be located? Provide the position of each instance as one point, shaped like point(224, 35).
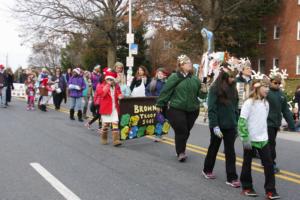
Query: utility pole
point(130, 40)
point(6, 60)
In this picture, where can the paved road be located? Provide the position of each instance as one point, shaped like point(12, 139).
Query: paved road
point(140, 169)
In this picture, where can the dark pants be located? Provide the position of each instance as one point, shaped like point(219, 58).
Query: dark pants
point(272, 133)
point(182, 122)
point(57, 99)
point(246, 177)
point(215, 142)
point(96, 116)
point(8, 94)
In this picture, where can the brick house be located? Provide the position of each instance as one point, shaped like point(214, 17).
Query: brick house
point(279, 41)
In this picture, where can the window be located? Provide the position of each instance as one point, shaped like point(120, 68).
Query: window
point(276, 34)
point(262, 36)
point(298, 30)
point(298, 64)
point(276, 62)
point(261, 65)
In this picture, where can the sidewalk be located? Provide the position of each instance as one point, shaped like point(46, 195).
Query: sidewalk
point(286, 135)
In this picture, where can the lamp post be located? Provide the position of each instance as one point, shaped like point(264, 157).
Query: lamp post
point(130, 40)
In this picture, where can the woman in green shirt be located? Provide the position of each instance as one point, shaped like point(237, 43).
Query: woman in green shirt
point(180, 94)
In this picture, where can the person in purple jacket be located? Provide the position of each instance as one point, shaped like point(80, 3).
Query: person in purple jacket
point(96, 76)
point(76, 85)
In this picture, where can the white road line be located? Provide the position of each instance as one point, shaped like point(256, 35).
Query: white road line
point(61, 188)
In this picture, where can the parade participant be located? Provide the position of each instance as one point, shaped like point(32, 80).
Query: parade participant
point(86, 93)
point(10, 84)
point(154, 88)
point(181, 93)
point(30, 91)
point(110, 93)
point(140, 82)
point(60, 86)
point(43, 84)
point(243, 81)
point(121, 79)
point(278, 107)
point(96, 110)
point(3, 86)
point(223, 116)
point(68, 74)
point(96, 77)
point(253, 131)
point(76, 85)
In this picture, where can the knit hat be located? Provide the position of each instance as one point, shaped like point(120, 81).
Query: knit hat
point(77, 70)
point(1, 66)
point(97, 67)
point(110, 75)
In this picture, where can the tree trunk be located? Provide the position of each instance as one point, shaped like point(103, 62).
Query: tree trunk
point(111, 55)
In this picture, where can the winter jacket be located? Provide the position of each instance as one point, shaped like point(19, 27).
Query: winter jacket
point(95, 78)
point(78, 81)
point(3, 79)
point(137, 82)
point(181, 93)
point(61, 82)
point(158, 87)
point(220, 114)
point(103, 91)
point(278, 107)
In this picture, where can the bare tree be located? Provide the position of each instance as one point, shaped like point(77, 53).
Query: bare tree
point(62, 18)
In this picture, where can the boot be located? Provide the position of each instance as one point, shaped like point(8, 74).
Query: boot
point(104, 132)
point(116, 138)
point(79, 114)
point(43, 108)
point(72, 114)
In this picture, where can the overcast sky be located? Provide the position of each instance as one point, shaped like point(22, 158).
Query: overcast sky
point(10, 43)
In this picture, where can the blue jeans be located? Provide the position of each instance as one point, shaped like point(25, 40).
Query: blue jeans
point(76, 103)
point(3, 96)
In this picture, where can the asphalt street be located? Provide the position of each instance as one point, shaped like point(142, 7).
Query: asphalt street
point(138, 170)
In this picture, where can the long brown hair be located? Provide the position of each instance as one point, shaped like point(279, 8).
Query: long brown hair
point(225, 92)
point(146, 73)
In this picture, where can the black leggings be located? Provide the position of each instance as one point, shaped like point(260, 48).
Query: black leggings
point(182, 122)
point(96, 116)
point(215, 142)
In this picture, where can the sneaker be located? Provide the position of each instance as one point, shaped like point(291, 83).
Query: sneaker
point(234, 183)
point(32, 108)
point(249, 193)
point(182, 157)
point(276, 169)
point(208, 175)
point(272, 195)
point(87, 125)
point(28, 108)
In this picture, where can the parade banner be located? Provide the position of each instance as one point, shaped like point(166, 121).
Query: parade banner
point(19, 90)
point(138, 118)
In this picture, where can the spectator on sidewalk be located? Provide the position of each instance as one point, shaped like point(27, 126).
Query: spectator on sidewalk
point(10, 85)
point(3, 86)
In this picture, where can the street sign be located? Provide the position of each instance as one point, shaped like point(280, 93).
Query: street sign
point(129, 38)
point(129, 61)
point(134, 49)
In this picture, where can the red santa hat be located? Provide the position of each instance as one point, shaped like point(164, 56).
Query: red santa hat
point(110, 75)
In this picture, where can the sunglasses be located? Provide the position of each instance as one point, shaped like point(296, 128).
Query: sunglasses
point(276, 83)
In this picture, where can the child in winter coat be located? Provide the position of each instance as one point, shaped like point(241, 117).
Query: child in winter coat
point(253, 130)
point(76, 86)
point(30, 92)
point(109, 93)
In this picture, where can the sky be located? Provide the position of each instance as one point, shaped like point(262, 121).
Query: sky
point(10, 43)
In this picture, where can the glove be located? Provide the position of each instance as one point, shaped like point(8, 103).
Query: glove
point(77, 87)
point(247, 145)
point(218, 132)
point(71, 86)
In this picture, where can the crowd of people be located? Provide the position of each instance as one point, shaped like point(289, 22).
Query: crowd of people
point(238, 105)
